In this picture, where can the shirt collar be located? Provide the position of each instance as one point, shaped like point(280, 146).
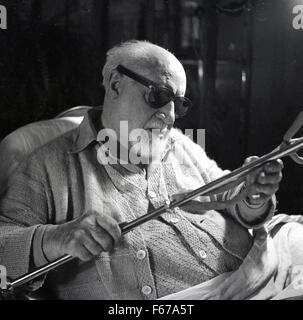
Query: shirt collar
point(87, 130)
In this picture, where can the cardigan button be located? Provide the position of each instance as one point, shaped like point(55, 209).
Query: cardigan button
point(146, 290)
point(174, 220)
point(152, 194)
point(203, 254)
point(141, 254)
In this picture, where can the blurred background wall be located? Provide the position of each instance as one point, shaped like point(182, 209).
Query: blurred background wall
point(243, 58)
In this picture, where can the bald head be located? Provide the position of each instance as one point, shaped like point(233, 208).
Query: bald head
point(143, 57)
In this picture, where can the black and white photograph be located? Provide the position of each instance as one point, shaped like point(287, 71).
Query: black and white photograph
point(151, 151)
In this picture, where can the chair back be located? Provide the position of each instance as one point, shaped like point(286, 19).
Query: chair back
point(20, 143)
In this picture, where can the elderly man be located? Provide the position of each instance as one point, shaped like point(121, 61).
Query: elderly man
point(69, 196)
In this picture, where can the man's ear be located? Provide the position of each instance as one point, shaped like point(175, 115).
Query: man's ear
point(115, 84)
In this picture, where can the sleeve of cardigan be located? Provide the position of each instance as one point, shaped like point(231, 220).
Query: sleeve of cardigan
point(23, 214)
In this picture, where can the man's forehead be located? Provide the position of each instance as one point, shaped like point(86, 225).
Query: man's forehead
point(162, 71)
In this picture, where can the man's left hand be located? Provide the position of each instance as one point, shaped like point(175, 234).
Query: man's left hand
point(264, 183)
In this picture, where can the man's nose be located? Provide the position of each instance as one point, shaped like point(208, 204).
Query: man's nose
point(168, 113)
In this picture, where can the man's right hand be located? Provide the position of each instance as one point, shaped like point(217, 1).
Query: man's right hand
point(85, 237)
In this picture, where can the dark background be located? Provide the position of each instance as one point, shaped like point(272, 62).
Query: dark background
point(250, 91)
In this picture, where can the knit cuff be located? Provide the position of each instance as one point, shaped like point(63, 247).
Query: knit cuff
point(263, 213)
point(39, 257)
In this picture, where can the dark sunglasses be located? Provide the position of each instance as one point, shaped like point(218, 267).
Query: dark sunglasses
point(159, 96)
